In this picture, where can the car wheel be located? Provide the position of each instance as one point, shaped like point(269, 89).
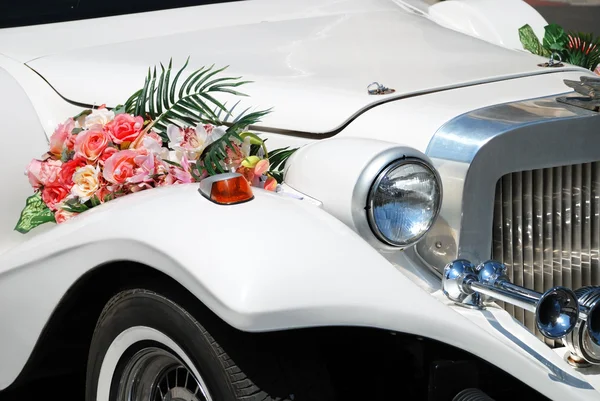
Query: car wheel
point(148, 348)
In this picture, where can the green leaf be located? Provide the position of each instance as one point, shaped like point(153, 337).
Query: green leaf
point(76, 131)
point(140, 109)
point(66, 155)
point(583, 50)
point(130, 104)
point(152, 110)
point(172, 163)
point(82, 114)
point(165, 101)
point(34, 213)
point(555, 38)
point(174, 86)
point(277, 160)
point(196, 171)
point(531, 42)
point(73, 205)
point(215, 152)
point(255, 140)
point(119, 109)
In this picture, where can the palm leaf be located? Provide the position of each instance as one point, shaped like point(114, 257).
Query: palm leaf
point(217, 151)
point(164, 100)
point(277, 160)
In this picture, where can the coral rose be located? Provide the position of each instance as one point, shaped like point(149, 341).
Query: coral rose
point(53, 194)
point(43, 172)
point(62, 215)
point(120, 166)
point(86, 182)
point(125, 129)
point(90, 144)
point(61, 138)
point(68, 169)
point(108, 152)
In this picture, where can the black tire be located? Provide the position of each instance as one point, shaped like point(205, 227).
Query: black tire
point(234, 365)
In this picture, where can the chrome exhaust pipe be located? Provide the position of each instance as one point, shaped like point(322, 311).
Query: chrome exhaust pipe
point(556, 311)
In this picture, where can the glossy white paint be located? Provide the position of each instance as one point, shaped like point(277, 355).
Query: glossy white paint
point(415, 120)
point(341, 280)
point(336, 51)
point(24, 139)
point(349, 176)
point(328, 273)
point(491, 20)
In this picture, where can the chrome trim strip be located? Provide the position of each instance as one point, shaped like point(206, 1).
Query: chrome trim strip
point(472, 152)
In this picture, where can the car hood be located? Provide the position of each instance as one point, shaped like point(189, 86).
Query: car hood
point(311, 61)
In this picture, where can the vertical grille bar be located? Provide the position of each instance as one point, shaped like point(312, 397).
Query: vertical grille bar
point(595, 234)
point(527, 239)
point(507, 231)
point(547, 229)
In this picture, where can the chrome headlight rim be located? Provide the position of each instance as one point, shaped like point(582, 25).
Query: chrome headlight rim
point(374, 186)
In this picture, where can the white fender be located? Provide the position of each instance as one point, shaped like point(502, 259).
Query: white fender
point(496, 21)
point(269, 264)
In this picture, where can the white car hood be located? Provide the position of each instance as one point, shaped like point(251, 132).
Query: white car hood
point(311, 61)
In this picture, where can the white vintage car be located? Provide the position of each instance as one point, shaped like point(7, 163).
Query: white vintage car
point(357, 279)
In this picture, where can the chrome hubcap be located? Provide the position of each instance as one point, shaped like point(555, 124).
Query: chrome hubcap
point(154, 374)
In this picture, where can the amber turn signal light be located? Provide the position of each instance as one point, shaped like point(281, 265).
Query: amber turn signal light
point(226, 189)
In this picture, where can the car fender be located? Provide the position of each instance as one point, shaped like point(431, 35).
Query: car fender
point(273, 263)
point(496, 21)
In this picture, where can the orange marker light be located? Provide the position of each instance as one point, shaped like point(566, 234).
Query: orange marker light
point(226, 189)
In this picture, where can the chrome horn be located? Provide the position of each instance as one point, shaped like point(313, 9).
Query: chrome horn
point(556, 310)
point(584, 341)
point(560, 313)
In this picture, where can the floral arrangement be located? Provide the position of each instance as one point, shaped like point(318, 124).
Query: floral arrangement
point(579, 49)
point(167, 133)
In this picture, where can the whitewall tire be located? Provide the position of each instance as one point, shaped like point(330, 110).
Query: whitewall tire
point(146, 347)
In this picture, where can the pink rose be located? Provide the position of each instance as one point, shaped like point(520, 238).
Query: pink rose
point(61, 138)
point(43, 172)
point(597, 70)
point(62, 215)
point(125, 128)
point(53, 194)
point(90, 144)
point(68, 169)
point(120, 166)
point(108, 152)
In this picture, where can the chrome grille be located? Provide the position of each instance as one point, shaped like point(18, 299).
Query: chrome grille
point(547, 229)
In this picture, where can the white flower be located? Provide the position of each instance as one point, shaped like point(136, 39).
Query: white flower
point(86, 182)
point(191, 141)
point(98, 117)
point(155, 147)
point(246, 147)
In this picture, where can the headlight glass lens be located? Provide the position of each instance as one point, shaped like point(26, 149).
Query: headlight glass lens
point(404, 202)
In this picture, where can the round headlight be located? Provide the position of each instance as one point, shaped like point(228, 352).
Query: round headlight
point(404, 202)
